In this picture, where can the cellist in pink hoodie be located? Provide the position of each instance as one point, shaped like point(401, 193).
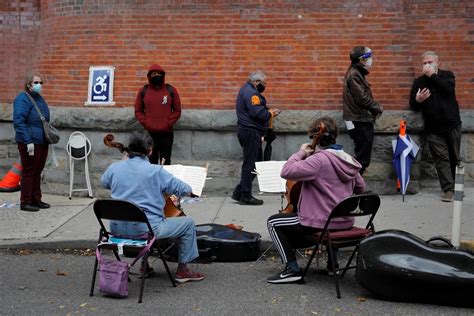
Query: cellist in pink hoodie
point(328, 175)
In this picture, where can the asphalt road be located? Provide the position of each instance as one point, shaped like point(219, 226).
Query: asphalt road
point(50, 283)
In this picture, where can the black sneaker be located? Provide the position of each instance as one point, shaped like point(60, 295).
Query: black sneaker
point(249, 200)
point(286, 276)
point(29, 208)
point(235, 196)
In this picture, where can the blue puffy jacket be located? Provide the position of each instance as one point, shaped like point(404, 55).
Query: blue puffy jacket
point(26, 120)
point(252, 111)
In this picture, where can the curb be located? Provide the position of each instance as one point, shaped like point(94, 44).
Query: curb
point(80, 244)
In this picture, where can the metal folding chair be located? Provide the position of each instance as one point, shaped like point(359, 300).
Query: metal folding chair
point(353, 206)
point(120, 210)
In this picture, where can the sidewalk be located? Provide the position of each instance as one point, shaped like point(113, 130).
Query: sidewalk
point(72, 223)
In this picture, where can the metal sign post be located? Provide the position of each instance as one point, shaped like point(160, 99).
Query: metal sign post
point(457, 207)
point(101, 85)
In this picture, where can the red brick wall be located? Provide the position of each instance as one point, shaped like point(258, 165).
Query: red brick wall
point(19, 28)
point(209, 47)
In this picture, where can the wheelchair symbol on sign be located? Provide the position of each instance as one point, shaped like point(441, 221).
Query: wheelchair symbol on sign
point(100, 85)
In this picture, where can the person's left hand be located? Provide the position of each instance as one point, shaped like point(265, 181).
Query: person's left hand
point(307, 149)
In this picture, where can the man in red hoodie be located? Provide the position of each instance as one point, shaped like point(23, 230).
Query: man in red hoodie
point(158, 108)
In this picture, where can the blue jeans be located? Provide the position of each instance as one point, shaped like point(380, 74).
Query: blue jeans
point(182, 228)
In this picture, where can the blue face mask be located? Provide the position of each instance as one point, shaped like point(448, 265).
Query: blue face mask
point(37, 87)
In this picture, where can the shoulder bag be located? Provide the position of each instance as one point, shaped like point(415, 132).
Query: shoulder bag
point(50, 133)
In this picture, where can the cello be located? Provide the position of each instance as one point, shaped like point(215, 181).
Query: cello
point(293, 188)
point(170, 209)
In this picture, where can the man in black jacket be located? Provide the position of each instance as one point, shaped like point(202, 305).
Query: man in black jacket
point(359, 107)
point(434, 95)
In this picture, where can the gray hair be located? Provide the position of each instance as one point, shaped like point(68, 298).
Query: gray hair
point(29, 78)
point(430, 53)
point(257, 75)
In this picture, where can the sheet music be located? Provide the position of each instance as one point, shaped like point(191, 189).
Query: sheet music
point(194, 176)
point(268, 175)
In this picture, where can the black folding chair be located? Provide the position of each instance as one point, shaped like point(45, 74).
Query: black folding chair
point(353, 206)
point(119, 210)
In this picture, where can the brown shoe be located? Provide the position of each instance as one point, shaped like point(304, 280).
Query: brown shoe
point(447, 197)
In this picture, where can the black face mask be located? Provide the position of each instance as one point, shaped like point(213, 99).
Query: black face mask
point(260, 87)
point(157, 80)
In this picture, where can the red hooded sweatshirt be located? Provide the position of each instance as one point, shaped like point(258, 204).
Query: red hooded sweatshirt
point(155, 112)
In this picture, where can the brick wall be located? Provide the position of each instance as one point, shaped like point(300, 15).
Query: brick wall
point(209, 47)
point(19, 28)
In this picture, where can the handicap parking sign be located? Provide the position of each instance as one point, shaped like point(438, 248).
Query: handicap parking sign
point(101, 84)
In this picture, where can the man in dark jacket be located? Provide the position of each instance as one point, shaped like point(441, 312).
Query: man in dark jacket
point(359, 107)
point(158, 108)
point(253, 119)
point(434, 95)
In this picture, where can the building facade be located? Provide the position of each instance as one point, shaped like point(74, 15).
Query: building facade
point(208, 48)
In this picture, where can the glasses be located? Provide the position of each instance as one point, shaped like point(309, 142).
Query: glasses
point(36, 82)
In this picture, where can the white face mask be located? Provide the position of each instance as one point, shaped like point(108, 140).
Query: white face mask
point(368, 62)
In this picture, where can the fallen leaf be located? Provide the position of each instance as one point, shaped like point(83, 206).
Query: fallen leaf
point(361, 299)
point(42, 270)
point(22, 287)
point(314, 313)
point(61, 307)
point(83, 305)
point(62, 273)
point(337, 309)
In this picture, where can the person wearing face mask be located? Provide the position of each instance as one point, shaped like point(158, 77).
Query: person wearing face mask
point(158, 108)
point(360, 110)
point(433, 93)
point(253, 119)
point(32, 145)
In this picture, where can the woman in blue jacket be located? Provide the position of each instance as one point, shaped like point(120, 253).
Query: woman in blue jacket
point(29, 135)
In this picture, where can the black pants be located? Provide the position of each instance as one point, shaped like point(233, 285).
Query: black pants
point(444, 149)
point(31, 174)
point(162, 145)
point(251, 142)
point(288, 234)
point(363, 137)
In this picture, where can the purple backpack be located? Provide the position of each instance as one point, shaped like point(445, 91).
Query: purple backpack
point(113, 274)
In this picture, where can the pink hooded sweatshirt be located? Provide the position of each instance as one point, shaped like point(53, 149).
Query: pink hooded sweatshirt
point(328, 177)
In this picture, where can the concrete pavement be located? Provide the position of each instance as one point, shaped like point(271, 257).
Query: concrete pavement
point(72, 224)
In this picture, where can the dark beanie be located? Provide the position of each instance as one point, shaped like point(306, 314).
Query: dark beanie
point(356, 52)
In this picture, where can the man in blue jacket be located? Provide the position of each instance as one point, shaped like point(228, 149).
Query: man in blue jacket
point(253, 119)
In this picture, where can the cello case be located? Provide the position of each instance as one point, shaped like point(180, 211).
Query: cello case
point(227, 244)
point(396, 265)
